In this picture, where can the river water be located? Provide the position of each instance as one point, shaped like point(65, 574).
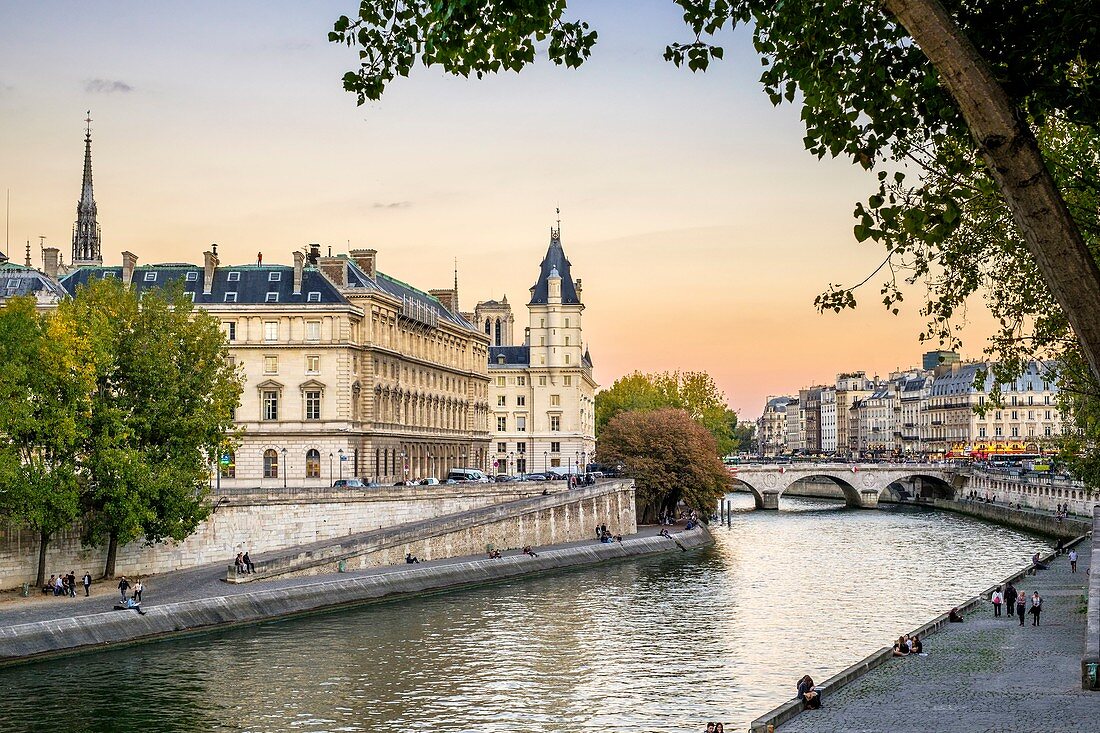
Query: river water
point(662, 644)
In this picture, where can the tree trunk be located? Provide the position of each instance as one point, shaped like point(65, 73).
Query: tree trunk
point(1016, 164)
point(43, 542)
point(112, 551)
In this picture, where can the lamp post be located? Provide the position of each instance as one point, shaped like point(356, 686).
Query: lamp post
point(404, 467)
point(544, 460)
point(284, 467)
point(330, 467)
point(577, 460)
point(341, 462)
point(508, 466)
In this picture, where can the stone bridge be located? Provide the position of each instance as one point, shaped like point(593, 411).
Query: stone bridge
point(862, 484)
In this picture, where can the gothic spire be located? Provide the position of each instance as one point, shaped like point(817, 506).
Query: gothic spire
point(86, 244)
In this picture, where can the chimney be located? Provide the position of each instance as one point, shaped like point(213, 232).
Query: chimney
point(335, 269)
point(446, 297)
point(314, 254)
point(50, 261)
point(366, 260)
point(579, 288)
point(210, 264)
point(129, 262)
point(299, 263)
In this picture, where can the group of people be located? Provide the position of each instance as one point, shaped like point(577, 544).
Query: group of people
point(243, 563)
point(65, 585)
point(605, 536)
point(906, 645)
point(1061, 511)
point(1017, 603)
point(716, 728)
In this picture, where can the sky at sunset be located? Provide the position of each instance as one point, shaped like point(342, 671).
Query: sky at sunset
point(701, 228)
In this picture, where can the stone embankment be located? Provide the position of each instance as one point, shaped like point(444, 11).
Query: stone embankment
point(1039, 522)
point(985, 674)
point(244, 604)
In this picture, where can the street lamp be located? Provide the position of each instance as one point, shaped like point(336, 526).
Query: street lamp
point(544, 461)
point(330, 467)
point(577, 460)
point(341, 461)
point(284, 467)
point(508, 466)
point(404, 467)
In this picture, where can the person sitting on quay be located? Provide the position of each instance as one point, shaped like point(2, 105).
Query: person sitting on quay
point(238, 563)
point(915, 645)
point(48, 587)
point(528, 551)
point(59, 586)
point(953, 616)
point(1036, 564)
point(411, 558)
point(811, 698)
point(901, 647)
point(494, 554)
point(665, 533)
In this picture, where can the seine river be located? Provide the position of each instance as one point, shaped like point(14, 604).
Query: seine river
point(662, 644)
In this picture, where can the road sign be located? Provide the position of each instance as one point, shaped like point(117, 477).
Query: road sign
point(343, 458)
point(225, 459)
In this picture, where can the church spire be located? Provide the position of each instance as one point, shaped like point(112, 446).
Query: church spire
point(86, 244)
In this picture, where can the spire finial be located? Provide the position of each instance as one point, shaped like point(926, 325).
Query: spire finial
point(28, 253)
point(88, 126)
point(456, 274)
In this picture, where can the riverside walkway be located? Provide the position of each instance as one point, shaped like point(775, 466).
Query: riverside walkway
point(206, 581)
point(987, 674)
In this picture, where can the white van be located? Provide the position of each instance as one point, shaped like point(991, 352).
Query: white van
point(468, 474)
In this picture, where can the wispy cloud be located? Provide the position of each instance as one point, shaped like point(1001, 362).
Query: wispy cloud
point(107, 86)
point(391, 205)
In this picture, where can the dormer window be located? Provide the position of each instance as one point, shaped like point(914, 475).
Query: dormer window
point(234, 277)
point(192, 277)
point(272, 297)
point(274, 277)
point(500, 359)
point(314, 296)
point(230, 297)
point(150, 277)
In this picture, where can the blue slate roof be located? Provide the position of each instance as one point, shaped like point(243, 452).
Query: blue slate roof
point(242, 284)
point(392, 286)
point(16, 280)
point(554, 260)
point(513, 356)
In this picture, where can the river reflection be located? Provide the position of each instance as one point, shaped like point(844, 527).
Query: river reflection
point(663, 644)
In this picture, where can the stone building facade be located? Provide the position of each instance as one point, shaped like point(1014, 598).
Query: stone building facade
point(771, 427)
point(542, 394)
point(348, 371)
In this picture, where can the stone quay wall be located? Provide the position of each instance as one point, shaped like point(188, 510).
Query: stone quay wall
point(1032, 490)
point(65, 636)
point(1090, 673)
point(564, 516)
point(258, 521)
point(1029, 521)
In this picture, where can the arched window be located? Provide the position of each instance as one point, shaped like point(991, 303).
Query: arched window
point(271, 463)
point(313, 463)
point(488, 327)
point(228, 468)
point(499, 342)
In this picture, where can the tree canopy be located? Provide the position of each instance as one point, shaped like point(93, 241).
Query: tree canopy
point(671, 458)
point(694, 392)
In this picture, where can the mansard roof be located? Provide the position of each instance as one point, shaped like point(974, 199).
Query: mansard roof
point(382, 282)
point(513, 356)
point(16, 280)
point(250, 283)
point(554, 263)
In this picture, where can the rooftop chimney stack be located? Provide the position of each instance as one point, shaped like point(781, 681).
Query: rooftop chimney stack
point(129, 262)
point(335, 269)
point(366, 260)
point(299, 264)
point(50, 262)
point(314, 254)
point(210, 264)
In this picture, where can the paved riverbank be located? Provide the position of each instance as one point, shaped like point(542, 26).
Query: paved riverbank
point(988, 674)
point(196, 599)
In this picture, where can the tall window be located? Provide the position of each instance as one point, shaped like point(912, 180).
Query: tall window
point(502, 381)
point(313, 330)
point(271, 365)
point(502, 447)
point(555, 423)
point(271, 404)
point(521, 400)
point(521, 447)
point(230, 329)
point(568, 381)
point(555, 447)
point(271, 330)
point(271, 463)
point(499, 334)
point(555, 400)
point(313, 404)
point(542, 381)
point(521, 381)
point(502, 423)
point(502, 400)
point(521, 423)
point(313, 463)
point(313, 365)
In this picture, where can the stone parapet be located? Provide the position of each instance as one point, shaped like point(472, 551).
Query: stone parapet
point(1090, 674)
point(1029, 521)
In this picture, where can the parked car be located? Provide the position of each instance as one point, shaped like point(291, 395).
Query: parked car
point(534, 477)
point(501, 478)
point(431, 481)
point(348, 483)
point(468, 474)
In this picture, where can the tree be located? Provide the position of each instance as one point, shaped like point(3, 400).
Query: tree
point(44, 384)
point(161, 409)
point(880, 81)
point(694, 392)
point(671, 459)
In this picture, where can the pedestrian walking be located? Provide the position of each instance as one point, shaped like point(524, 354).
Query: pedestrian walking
point(997, 599)
point(70, 582)
point(124, 585)
point(138, 588)
point(1036, 608)
point(87, 581)
point(1010, 600)
point(1021, 606)
point(1073, 561)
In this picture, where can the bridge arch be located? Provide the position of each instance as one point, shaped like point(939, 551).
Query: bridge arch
point(851, 493)
point(920, 484)
point(757, 496)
